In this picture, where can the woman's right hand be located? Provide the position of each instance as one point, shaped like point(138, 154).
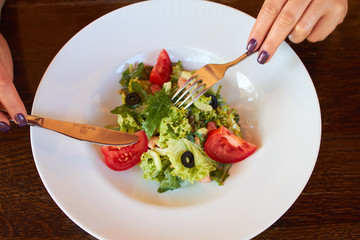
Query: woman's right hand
point(9, 97)
point(313, 20)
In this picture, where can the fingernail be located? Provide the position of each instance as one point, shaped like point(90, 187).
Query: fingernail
point(264, 55)
point(251, 45)
point(4, 127)
point(20, 119)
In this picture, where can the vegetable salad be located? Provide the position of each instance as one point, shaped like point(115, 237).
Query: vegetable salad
point(176, 145)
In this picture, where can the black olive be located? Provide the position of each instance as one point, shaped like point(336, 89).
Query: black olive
point(214, 101)
point(187, 159)
point(132, 98)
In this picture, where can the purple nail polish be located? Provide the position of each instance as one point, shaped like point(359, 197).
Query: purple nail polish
point(4, 127)
point(264, 55)
point(20, 119)
point(251, 45)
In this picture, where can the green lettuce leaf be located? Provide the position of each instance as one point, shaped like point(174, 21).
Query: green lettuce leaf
point(174, 126)
point(176, 73)
point(141, 87)
point(158, 168)
point(228, 118)
point(203, 103)
point(169, 182)
point(140, 72)
point(158, 107)
point(199, 118)
point(129, 118)
point(203, 164)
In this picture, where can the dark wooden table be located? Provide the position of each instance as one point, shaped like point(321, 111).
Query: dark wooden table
point(328, 208)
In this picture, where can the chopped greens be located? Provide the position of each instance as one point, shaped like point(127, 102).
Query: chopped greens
point(158, 168)
point(140, 72)
point(158, 107)
point(178, 134)
point(221, 173)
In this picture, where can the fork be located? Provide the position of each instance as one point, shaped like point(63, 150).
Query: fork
point(202, 80)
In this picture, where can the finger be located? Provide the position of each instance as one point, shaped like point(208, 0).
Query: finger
point(322, 29)
point(10, 99)
point(4, 123)
point(328, 22)
point(308, 20)
point(284, 23)
point(5, 57)
point(306, 23)
point(266, 17)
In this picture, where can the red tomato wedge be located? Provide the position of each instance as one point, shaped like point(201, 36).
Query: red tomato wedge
point(123, 158)
point(155, 88)
point(223, 146)
point(162, 70)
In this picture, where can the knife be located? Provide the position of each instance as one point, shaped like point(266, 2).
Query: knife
point(83, 132)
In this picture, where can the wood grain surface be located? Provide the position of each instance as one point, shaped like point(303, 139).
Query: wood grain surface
point(328, 208)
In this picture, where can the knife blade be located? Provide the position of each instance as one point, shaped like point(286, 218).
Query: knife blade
point(83, 132)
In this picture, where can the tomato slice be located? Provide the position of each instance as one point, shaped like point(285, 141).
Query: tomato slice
point(123, 158)
point(162, 70)
point(223, 146)
point(155, 88)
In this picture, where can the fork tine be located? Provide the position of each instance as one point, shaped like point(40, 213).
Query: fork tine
point(187, 90)
point(196, 97)
point(192, 94)
point(182, 88)
point(209, 74)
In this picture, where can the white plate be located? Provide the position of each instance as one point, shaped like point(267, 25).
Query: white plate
point(277, 102)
